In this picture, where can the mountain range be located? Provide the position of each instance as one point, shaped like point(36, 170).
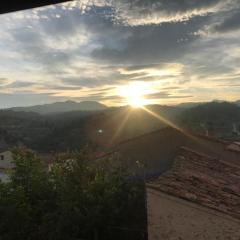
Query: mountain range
point(52, 128)
point(89, 106)
point(60, 107)
point(195, 104)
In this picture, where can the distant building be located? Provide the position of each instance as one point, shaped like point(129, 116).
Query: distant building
point(197, 199)
point(6, 160)
point(236, 130)
point(5, 164)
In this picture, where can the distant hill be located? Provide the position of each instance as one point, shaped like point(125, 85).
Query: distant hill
point(219, 119)
point(213, 111)
point(102, 128)
point(237, 102)
point(60, 131)
point(187, 105)
point(21, 128)
point(59, 107)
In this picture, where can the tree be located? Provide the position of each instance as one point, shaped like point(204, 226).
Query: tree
point(76, 199)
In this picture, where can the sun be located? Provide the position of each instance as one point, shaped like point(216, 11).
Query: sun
point(136, 102)
point(134, 94)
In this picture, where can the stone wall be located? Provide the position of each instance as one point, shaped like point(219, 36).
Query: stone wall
point(171, 218)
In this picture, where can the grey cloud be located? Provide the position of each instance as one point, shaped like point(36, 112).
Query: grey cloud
point(99, 97)
point(25, 99)
point(151, 44)
point(143, 12)
point(174, 5)
point(114, 43)
point(229, 24)
point(60, 87)
point(87, 81)
point(106, 89)
point(19, 84)
point(171, 88)
point(145, 66)
point(63, 26)
point(165, 95)
point(4, 81)
point(31, 44)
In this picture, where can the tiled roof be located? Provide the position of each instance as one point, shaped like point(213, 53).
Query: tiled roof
point(204, 180)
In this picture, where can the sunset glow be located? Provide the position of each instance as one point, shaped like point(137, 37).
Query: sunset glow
point(157, 53)
point(135, 94)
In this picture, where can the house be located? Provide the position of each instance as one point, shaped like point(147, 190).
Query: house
point(197, 199)
point(5, 164)
point(6, 160)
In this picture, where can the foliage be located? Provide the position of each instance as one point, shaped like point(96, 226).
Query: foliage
point(75, 199)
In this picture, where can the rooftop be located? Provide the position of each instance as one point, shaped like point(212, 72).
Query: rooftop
point(235, 146)
point(205, 180)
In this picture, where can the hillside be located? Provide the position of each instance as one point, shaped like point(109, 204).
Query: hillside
point(101, 129)
point(238, 102)
point(59, 107)
point(104, 128)
point(188, 105)
point(214, 111)
point(72, 130)
point(21, 128)
point(220, 119)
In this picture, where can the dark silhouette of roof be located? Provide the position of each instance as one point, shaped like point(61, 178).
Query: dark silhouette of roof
point(158, 149)
point(16, 5)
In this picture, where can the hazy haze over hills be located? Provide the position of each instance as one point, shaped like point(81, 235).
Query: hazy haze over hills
point(73, 129)
point(62, 107)
point(69, 106)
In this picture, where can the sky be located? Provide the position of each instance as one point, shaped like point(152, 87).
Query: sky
point(170, 51)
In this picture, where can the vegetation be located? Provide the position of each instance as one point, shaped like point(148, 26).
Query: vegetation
point(75, 199)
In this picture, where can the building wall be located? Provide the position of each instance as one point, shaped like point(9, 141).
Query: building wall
point(4, 177)
point(171, 218)
point(6, 162)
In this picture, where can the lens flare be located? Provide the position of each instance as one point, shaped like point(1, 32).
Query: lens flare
point(134, 94)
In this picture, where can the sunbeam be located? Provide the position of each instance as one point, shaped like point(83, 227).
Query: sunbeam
point(120, 127)
point(169, 123)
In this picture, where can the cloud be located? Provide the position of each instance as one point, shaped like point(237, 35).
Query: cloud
point(145, 12)
point(4, 81)
point(23, 99)
point(73, 50)
point(165, 95)
point(19, 84)
point(229, 24)
point(151, 44)
point(152, 70)
point(85, 81)
point(58, 87)
point(148, 12)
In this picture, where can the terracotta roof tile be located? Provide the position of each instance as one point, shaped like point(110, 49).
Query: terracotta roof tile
point(204, 180)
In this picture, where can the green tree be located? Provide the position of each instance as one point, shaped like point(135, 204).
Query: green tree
point(76, 199)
